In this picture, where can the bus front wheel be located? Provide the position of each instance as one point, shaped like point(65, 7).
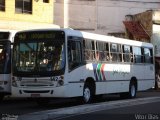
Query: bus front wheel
point(87, 94)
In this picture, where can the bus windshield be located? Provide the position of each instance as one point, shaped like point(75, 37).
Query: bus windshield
point(39, 53)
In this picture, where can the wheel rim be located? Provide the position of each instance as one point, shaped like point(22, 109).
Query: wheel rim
point(133, 90)
point(87, 94)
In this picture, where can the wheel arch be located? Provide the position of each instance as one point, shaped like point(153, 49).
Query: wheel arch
point(134, 80)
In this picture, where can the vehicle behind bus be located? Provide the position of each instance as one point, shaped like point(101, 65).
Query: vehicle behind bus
point(6, 38)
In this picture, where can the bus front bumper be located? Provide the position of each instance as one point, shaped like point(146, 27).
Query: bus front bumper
point(34, 92)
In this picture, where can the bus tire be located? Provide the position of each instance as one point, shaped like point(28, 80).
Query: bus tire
point(87, 94)
point(132, 90)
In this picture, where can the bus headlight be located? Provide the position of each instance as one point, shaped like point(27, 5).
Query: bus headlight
point(60, 83)
point(59, 80)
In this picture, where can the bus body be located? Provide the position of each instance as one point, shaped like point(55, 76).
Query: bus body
point(70, 63)
point(6, 38)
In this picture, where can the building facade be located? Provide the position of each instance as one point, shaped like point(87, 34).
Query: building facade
point(23, 14)
point(99, 16)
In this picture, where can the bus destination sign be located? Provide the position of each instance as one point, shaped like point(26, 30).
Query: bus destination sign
point(39, 35)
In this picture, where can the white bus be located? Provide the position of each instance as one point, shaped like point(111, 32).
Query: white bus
point(68, 63)
point(6, 38)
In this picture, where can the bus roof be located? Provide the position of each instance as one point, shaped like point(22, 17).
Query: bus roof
point(98, 37)
point(106, 38)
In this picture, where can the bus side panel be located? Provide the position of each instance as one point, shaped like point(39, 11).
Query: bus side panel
point(145, 85)
point(112, 78)
point(75, 80)
point(111, 87)
point(115, 78)
point(144, 76)
point(109, 78)
point(149, 78)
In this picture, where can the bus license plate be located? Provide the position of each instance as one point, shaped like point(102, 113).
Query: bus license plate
point(35, 95)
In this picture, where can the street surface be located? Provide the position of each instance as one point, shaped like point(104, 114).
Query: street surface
point(25, 106)
point(149, 111)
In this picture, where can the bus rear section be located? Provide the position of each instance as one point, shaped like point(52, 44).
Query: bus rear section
point(5, 64)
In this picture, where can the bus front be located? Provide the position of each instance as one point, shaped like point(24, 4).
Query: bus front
point(5, 64)
point(38, 63)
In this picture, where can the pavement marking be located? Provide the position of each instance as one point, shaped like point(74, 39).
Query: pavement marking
point(61, 113)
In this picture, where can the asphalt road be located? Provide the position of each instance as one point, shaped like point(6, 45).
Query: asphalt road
point(25, 106)
point(149, 111)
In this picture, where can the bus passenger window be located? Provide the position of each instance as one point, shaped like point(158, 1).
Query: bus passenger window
point(103, 51)
point(127, 54)
point(148, 55)
point(74, 54)
point(89, 50)
point(137, 55)
point(115, 52)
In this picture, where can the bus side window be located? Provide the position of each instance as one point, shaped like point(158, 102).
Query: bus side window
point(127, 53)
point(148, 55)
point(102, 51)
point(74, 54)
point(89, 50)
point(115, 50)
point(137, 52)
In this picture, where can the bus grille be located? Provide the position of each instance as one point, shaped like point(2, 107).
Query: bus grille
point(36, 84)
point(42, 91)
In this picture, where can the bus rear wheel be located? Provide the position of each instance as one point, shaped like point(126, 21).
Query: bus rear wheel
point(132, 90)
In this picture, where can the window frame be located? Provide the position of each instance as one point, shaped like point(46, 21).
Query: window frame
point(89, 50)
point(128, 54)
point(72, 64)
point(138, 54)
point(23, 6)
point(46, 1)
point(117, 53)
point(102, 51)
point(2, 6)
point(150, 55)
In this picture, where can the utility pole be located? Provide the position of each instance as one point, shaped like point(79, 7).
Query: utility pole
point(66, 13)
point(96, 15)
